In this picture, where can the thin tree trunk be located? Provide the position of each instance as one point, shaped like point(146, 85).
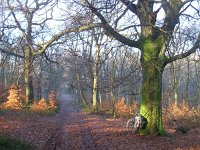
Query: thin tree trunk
point(28, 68)
point(95, 77)
point(113, 97)
point(113, 90)
point(175, 82)
point(197, 76)
point(186, 96)
point(81, 98)
point(39, 87)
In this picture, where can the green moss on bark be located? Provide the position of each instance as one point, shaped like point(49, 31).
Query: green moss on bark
point(151, 104)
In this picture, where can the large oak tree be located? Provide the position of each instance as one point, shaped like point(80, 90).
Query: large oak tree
point(153, 41)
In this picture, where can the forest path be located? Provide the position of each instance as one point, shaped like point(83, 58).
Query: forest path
point(70, 132)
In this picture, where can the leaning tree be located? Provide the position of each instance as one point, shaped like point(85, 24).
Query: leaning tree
point(154, 23)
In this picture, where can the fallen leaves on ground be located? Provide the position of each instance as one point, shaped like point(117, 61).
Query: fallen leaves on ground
point(76, 130)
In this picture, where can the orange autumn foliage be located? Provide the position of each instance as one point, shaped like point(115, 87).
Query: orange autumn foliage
point(44, 105)
point(52, 100)
point(14, 99)
point(40, 106)
point(121, 108)
point(182, 111)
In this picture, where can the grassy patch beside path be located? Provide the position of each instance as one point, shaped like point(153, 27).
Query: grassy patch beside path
point(7, 143)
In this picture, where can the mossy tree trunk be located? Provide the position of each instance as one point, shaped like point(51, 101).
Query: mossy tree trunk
point(151, 106)
point(152, 61)
point(152, 69)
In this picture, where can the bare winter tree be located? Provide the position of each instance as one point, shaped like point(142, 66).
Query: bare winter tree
point(29, 21)
point(152, 35)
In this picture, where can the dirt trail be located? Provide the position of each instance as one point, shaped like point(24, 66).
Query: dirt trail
point(70, 132)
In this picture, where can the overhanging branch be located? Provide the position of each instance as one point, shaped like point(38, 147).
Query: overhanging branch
point(183, 55)
point(64, 32)
point(111, 31)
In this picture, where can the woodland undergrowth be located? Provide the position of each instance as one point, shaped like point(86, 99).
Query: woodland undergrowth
point(16, 101)
point(185, 114)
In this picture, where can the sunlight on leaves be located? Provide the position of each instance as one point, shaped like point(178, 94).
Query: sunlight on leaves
point(123, 109)
point(14, 99)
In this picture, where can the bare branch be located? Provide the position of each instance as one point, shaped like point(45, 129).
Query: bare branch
point(62, 33)
point(17, 22)
point(186, 6)
point(48, 59)
point(173, 11)
point(132, 7)
point(183, 55)
point(117, 20)
point(112, 32)
point(124, 12)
